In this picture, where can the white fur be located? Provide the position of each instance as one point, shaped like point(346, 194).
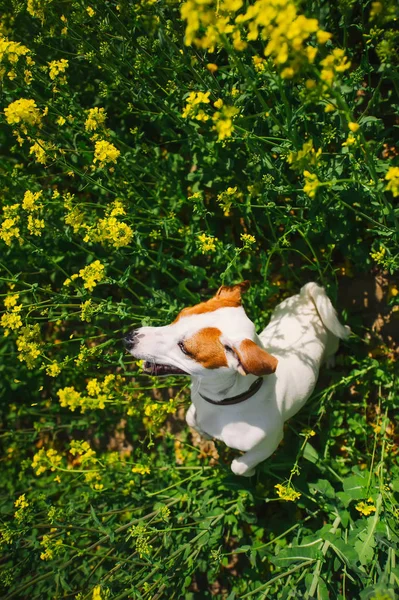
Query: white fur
point(302, 333)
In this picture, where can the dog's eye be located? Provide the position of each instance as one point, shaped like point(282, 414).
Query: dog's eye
point(228, 349)
point(183, 349)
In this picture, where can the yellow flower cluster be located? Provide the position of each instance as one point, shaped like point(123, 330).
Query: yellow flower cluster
point(311, 184)
point(96, 118)
point(46, 459)
point(192, 110)
point(276, 21)
point(52, 546)
point(35, 226)
point(259, 63)
point(21, 504)
point(287, 493)
point(57, 67)
point(366, 508)
point(105, 152)
point(30, 199)
point(114, 232)
point(141, 469)
point(156, 412)
point(9, 227)
point(223, 119)
point(53, 370)
point(227, 198)
point(28, 344)
point(98, 393)
point(110, 230)
point(36, 8)
point(305, 157)
point(10, 321)
point(334, 63)
point(83, 451)
point(379, 255)
point(248, 240)
point(206, 243)
point(91, 275)
point(11, 51)
point(40, 149)
point(23, 112)
point(392, 177)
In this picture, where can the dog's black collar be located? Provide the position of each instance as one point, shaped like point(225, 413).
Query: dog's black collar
point(240, 397)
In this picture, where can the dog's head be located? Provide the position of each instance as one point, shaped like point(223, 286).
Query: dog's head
point(216, 334)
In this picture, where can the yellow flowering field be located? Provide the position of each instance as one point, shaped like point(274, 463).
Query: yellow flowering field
point(150, 151)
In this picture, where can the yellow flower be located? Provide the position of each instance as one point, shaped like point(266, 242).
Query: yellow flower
point(24, 112)
point(28, 344)
point(36, 8)
point(35, 226)
point(53, 370)
point(61, 121)
point(192, 102)
point(212, 68)
point(207, 243)
point(112, 231)
point(105, 152)
point(90, 11)
point(69, 397)
point(96, 118)
point(353, 126)
point(350, 140)
point(366, 509)
point(311, 184)
point(56, 67)
point(259, 64)
point(287, 493)
point(29, 200)
point(92, 275)
point(247, 239)
point(323, 36)
point(11, 51)
point(392, 177)
point(141, 469)
point(11, 300)
point(224, 121)
point(287, 73)
point(379, 255)
point(39, 149)
point(10, 321)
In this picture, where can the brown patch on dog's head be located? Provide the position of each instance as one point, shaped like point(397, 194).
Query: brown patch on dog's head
point(226, 296)
point(253, 359)
point(206, 348)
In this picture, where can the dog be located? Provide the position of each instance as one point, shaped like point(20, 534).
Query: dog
point(244, 385)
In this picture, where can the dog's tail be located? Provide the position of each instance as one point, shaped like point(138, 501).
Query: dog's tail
point(325, 309)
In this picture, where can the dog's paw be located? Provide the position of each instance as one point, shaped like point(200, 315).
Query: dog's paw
point(240, 468)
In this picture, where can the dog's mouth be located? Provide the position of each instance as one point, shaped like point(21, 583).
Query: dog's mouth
point(156, 369)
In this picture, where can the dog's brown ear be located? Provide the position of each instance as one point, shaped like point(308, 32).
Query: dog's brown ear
point(253, 359)
point(233, 292)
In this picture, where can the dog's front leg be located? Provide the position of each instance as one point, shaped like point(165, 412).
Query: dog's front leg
point(191, 421)
point(245, 465)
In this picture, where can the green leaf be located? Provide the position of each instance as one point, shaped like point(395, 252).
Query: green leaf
point(365, 545)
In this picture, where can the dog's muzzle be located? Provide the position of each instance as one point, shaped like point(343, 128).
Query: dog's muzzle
point(131, 339)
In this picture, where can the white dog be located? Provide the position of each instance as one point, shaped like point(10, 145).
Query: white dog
point(244, 386)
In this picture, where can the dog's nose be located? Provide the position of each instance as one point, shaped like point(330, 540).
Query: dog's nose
point(131, 339)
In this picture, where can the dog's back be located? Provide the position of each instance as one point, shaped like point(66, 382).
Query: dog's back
point(302, 333)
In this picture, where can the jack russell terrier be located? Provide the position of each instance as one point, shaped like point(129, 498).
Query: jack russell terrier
point(244, 385)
